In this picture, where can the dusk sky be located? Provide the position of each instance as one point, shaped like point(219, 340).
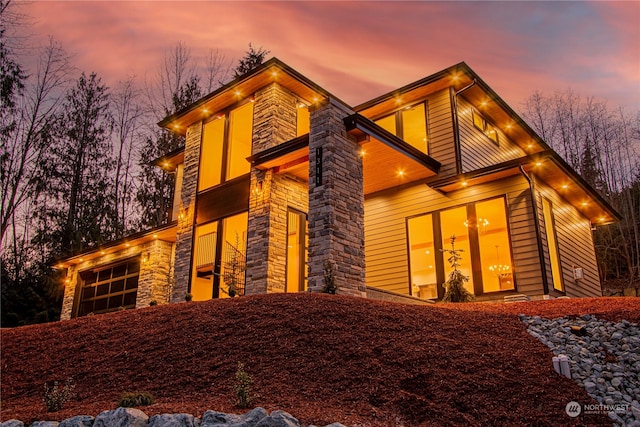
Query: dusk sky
point(359, 50)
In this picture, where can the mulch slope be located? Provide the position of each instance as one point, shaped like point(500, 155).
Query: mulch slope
point(323, 358)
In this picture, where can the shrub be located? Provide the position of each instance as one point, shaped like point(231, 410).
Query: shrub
point(454, 286)
point(329, 278)
point(153, 303)
point(55, 396)
point(129, 400)
point(188, 297)
point(242, 387)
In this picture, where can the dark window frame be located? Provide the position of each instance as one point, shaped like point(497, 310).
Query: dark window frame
point(441, 268)
point(399, 121)
point(487, 127)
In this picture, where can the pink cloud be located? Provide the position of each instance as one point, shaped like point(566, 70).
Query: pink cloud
point(358, 50)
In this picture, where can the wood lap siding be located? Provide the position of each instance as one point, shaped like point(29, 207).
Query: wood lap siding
point(441, 145)
point(387, 261)
point(476, 149)
point(575, 246)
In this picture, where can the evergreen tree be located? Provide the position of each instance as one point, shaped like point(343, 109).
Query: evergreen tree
point(250, 60)
point(77, 209)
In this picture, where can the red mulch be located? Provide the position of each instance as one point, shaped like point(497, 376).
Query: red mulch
point(322, 358)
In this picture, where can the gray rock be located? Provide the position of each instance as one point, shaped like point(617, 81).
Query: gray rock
point(173, 420)
point(78, 421)
point(278, 419)
point(45, 424)
point(250, 419)
point(589, 386)
point(122, 417)
point(616, 382)
point(12, 423)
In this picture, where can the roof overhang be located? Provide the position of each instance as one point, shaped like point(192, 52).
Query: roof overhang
point(388, 161)
point(170, 161)
point(165, 232)
point(291, 157)
point(244, 87)
point(548, 167)
point(462, 81)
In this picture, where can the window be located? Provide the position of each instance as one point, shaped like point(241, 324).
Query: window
point(552, 244)
point(487, 128)
point(493, 245)
point(226, 144)
point(480, 231)
point(302, 120)
point(455, 222)
point(109, 288)
point(219, 258)
point(422, 254)
point(409, 124)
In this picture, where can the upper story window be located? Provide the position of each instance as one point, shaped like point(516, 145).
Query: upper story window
point(409, 124)
point(487, 128)
point(302, 120)
point(226, 144)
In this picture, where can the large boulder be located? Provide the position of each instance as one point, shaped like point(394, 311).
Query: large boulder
point(220, 419)
point(78, 421)
point(12, 423)
point(173, 420)
point(278, 419)
point(122, 417)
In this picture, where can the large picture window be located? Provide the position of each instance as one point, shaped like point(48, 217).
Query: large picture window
point(481, 233)
point(409, 124)
point(226, 144)
point(219, 258)
point(109, 288)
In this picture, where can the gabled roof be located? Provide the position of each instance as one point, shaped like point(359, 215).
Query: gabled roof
point(243, 87)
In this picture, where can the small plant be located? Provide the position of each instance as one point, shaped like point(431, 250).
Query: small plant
point(129, 400)
point(242, 387)
point(55, 396)
point(188, 297)
point(329, 278)
point(153, 303)
point(454, 286)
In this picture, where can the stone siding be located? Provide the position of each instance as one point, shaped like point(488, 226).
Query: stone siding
point(186, 216)
point(274, 122)
point(336, 204)
point(155, 281)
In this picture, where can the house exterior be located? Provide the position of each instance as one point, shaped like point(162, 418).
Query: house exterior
point(280, 183)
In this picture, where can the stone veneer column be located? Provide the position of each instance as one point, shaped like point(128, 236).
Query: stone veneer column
point(186, 219)
point(336, 205)
point(155, 281)
point(274, 122)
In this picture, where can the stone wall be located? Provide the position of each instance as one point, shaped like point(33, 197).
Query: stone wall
point(186, 216)
point(274, 122)
point(336, 202)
